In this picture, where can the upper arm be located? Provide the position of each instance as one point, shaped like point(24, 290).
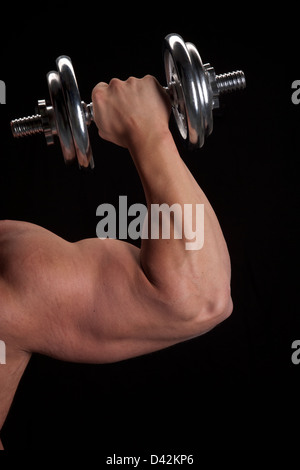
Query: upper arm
point(89, 301)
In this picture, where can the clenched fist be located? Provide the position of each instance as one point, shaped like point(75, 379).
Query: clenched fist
point(132, 111)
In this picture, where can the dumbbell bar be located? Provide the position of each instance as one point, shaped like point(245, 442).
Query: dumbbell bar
point(193, 88)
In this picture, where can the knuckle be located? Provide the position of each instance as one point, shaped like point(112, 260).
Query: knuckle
point(132, 81)
point(149, 78)
point(98, 91)
point(115, 83)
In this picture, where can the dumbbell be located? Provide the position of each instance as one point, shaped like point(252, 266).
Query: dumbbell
point(193, 89)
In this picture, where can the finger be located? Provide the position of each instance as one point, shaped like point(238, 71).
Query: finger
point(98, 90)
point(102, 84)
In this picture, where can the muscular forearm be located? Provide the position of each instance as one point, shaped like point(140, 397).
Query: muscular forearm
point(167, 180)
point(135, 114)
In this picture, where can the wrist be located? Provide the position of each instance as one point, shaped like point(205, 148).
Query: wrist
point(150, 144)
point(157, 161)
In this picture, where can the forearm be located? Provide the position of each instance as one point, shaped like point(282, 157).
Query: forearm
point(167, 180)
point(135, 115)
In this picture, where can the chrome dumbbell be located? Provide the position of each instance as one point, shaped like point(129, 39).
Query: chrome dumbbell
point(193, 88)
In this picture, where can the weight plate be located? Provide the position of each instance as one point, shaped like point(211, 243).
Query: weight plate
point(182, 83)
point(61, 117)
point(176, 94)
point(75, 112)
point(204, 89)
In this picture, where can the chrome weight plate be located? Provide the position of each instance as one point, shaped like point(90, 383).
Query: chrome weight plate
point(63, 129)
point(75, 111)
point(202, 82)
point(183, 89)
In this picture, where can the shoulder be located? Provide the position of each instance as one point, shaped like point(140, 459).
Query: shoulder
point(40, 275)
point(13, 227)
point(53, 292)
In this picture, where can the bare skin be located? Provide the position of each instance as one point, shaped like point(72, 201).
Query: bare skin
point(114, 300)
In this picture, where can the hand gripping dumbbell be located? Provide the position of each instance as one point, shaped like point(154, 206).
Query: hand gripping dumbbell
point(193, 88)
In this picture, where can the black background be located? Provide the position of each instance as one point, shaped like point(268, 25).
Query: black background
point(235, 387)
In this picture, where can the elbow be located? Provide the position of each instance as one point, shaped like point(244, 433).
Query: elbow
point(215, 307)
point(210, 310)
point(221, 306)
point(198, 311)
